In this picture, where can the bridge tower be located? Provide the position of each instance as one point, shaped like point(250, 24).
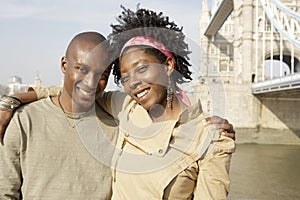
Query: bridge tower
point(242, 50)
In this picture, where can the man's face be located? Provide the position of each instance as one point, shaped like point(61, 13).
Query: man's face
point(86, 71)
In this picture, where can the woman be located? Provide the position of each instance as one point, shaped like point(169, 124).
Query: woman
point(162, 150)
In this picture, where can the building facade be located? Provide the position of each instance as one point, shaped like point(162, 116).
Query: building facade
point(16, 86)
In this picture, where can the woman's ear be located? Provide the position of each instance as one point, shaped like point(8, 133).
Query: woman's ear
point(63, 64)
point(170, 66)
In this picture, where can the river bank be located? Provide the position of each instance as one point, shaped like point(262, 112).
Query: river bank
point(267, 136)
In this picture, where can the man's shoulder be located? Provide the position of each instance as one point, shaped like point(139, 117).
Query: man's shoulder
point(35, 112)
point(39, 105)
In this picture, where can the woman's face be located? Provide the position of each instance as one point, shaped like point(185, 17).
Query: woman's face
point(144, 78)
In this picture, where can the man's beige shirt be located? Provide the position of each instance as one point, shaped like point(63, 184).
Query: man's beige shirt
point(47, 156)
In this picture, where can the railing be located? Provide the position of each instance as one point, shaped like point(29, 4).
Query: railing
point(278, 84)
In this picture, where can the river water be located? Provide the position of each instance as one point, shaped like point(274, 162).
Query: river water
point(267, 172)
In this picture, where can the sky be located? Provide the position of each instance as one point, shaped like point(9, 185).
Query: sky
point(35, 34)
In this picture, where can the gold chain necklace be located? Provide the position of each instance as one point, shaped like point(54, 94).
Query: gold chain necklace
point(67, 114)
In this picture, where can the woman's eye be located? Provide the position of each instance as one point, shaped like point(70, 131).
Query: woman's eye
point(142, 68)
point(124, 79)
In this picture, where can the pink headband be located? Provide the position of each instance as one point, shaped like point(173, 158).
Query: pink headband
point(149, 41)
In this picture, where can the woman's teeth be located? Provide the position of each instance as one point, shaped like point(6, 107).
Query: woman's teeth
point(139, 95)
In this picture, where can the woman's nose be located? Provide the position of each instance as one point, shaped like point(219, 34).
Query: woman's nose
point(134, 83)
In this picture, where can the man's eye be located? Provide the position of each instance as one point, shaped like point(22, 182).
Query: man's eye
point(82, 70)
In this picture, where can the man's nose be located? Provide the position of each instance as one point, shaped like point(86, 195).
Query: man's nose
point(92, 81)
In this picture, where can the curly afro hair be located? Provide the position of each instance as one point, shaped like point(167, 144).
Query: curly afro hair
point(145, 22)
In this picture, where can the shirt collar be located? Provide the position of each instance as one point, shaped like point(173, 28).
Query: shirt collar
point(153, 138)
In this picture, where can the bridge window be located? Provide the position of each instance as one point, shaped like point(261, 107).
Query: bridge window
point(225, 58)
point(260, 26)
point(223, 50)
point(267, 25)
point(223, 66)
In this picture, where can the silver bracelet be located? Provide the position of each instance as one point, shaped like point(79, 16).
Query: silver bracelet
point(9, 103)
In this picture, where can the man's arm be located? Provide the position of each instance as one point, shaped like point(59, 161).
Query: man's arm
point(112, 102)
point(10, 168)
point(113, 105)
point(222, 124)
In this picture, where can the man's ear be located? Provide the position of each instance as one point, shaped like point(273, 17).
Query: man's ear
point(63, 64)
point(170, 66)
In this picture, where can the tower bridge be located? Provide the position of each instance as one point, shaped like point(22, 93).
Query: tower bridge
point(253, 46)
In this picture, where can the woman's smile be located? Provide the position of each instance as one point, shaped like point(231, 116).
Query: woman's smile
point(143, 94)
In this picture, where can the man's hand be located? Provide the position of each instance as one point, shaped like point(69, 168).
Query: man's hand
point(221, 123)
point(5, 117)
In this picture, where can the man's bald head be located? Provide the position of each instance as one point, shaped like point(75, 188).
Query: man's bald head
point(85, 40)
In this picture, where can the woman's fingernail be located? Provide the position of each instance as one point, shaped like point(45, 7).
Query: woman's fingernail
point(204, 122)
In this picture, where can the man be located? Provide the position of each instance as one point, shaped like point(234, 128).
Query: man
point(43, 156)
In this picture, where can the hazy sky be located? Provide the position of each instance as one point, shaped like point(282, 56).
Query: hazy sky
point(35, 33)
